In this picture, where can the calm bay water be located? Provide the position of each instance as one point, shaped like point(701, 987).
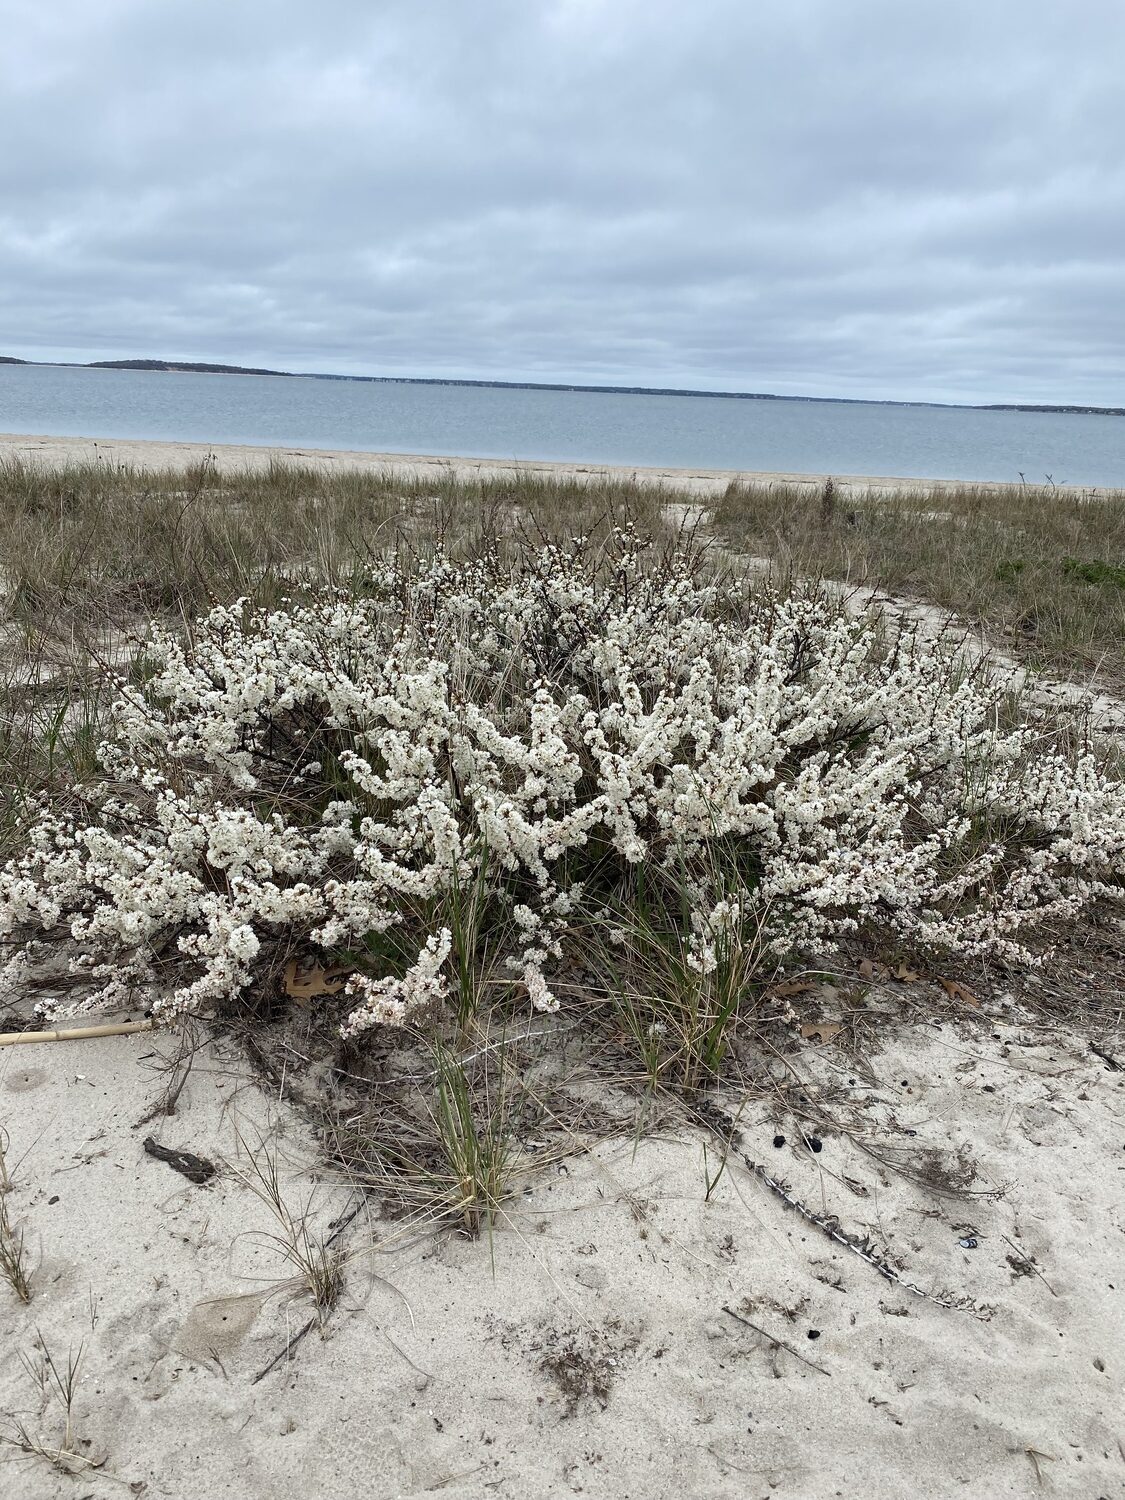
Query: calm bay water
point(675, 431)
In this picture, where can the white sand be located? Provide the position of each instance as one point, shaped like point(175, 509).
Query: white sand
point(57, 451)
point(430, 1378)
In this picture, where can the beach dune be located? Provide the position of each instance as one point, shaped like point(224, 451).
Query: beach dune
point(150, 454)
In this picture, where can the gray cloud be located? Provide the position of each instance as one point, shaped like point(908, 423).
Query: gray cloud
point(796, 195)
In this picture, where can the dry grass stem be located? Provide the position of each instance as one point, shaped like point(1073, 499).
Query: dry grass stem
point(319, 1265)
point(13, 1259)
point(55, 1384)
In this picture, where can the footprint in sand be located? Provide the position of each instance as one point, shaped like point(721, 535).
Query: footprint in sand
point(217, 1325)
point(25, 1079)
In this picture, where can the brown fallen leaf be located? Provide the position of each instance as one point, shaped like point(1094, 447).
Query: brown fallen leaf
point(825, 1031)
point(871, 968)
point(958, 992)
point(906, 975)
point(789, 987)
point(312, 980)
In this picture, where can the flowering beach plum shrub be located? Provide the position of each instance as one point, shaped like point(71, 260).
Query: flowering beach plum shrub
point(460, 755)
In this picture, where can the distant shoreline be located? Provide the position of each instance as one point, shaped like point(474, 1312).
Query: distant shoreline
point(147, 453)
point(200, 367)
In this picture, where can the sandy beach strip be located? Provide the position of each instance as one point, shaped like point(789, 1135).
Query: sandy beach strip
point(139, 453)
point(624, 1330)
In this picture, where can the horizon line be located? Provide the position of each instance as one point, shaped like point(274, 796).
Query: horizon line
point(152, 365)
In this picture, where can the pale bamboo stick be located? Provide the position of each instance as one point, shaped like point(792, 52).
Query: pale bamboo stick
point(74, 1033)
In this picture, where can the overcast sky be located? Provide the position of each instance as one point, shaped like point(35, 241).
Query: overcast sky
point(890, 198)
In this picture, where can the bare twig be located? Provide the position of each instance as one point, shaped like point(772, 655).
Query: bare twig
point(1029, 1262)
point(775, 1341)
point(290, 1345)
point(861, 1247)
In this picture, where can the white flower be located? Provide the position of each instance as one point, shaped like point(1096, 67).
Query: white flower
point(503, 731)
point(391, 1002)
point(541, 997)
point(242, 943)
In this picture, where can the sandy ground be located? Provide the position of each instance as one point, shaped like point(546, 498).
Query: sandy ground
point(157, 455)
point(592, 1345)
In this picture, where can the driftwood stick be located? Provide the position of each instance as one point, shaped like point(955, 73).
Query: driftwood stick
point(74, 1033)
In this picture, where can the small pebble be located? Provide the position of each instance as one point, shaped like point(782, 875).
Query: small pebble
point(814, 1333)
point(779, 1140)
point(814, 1143)
point(968, 1243)
point(1099, 1365)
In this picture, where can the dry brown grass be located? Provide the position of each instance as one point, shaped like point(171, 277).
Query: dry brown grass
point(56, 1385)
point(1038, 567)
point(92, 543)
point(13, 1257)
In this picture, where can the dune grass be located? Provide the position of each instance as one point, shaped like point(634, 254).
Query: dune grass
point(93, 544)
point(318, 1266)
point(89, 547)
point(57, 1386)
point(13, 1258)
point(1038, 568)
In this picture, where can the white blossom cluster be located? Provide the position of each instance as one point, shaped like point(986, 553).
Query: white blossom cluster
point(508, 735)
point(392, 1002)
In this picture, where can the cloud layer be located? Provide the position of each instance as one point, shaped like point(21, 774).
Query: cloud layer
point(873, 199)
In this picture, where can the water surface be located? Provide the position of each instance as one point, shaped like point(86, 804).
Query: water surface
point(816, 437)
